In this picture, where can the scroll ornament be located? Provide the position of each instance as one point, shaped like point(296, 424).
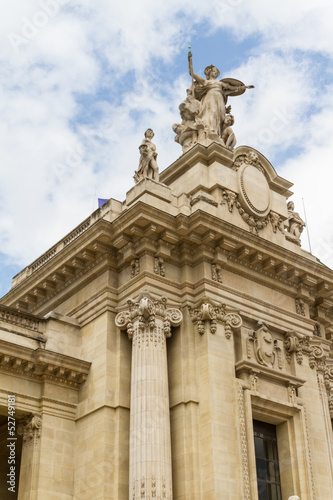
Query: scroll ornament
point(294, 343)
point(212, 314)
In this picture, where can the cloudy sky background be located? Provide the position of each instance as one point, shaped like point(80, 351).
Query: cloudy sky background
point(81, 80)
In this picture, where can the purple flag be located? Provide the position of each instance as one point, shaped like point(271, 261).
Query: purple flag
point(101, 202)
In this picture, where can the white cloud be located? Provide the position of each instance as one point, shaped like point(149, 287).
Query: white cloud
point(120, 57)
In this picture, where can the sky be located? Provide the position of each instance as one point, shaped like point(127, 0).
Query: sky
point(81, 80)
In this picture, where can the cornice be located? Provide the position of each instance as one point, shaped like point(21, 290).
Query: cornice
point(78, 282)
point(282, 378)
point(103, 245)
point(43, 365)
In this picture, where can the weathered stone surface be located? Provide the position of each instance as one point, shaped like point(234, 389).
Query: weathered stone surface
point(255, 342)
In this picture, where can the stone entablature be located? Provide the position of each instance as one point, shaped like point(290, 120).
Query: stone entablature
point(107, 211)
point(43, 365)
point(170, 217)
point(166, 236)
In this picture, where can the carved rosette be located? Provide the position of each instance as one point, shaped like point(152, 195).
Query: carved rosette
point(148, 322)
point(30, 429)
point(207, 313)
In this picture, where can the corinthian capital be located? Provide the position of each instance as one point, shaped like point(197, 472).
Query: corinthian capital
point(30, 429)
point(148, 312)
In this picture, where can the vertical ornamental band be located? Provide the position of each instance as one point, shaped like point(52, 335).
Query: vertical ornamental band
point(148, 322)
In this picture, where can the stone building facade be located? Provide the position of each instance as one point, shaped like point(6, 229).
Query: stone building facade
point(174, 345)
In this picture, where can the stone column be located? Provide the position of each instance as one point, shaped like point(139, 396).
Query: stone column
point(30, 430)
point(148, 323)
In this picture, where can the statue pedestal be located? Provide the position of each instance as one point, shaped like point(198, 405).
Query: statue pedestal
point(148, 186)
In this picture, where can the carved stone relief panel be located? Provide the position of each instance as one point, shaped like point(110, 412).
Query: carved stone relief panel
point(216, 273)
point(254, 191)
point(159, 266)
point(135, 267)
point(266, 350)
point(300, 307)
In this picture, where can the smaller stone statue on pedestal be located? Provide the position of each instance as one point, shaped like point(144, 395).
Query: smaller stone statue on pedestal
point(295, 224)
point(148, 165)
point(228, 136)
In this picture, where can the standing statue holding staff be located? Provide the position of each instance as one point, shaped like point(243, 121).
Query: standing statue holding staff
point(212, 95)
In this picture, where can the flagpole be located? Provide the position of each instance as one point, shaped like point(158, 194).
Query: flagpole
point(307, 226)
point(191, 67)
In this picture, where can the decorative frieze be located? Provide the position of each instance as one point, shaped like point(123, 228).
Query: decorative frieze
point(207, 313)
point(243, 442)
point(266, 350)
point(216, 273)
point(43, 365)
point(159, 266)
point(135, 267)
point(317, 330)
point(300, 307)
point(255, 223)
